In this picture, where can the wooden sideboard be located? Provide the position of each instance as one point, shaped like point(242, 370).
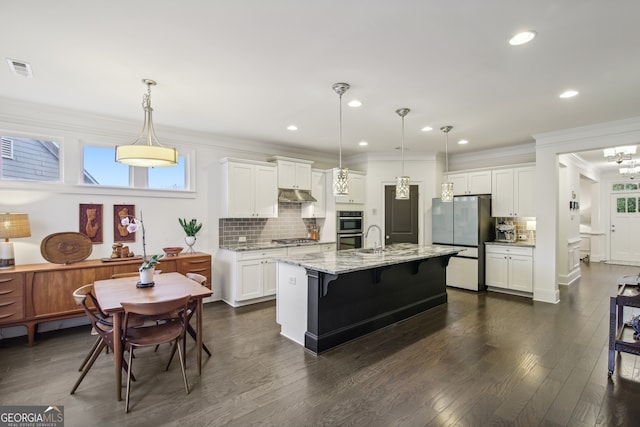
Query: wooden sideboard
point(34, 293)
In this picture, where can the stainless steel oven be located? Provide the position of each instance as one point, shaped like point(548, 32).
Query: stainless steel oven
point(349, 241)
point(349, 228)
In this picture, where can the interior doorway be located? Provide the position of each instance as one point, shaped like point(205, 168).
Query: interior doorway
point(401, 216)
point(625, 227)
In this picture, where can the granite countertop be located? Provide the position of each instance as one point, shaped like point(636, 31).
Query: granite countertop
point(346, 261)
point(522, 243)
point(239, 247)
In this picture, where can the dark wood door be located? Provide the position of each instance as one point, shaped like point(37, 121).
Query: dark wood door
point(401, 216)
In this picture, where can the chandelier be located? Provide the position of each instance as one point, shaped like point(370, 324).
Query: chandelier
point(146, 151)
point(340, 175)
point(402, 181)
point(447, 187)
point(619, 154)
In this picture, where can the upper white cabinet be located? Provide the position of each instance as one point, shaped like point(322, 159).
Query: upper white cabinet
point(293, 173)
point(356, 189)
point(250, 189)
point(478, 182)
point(512, 192)
point(316, 209)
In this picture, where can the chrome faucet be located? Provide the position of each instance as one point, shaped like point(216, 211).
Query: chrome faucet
point(375, 245)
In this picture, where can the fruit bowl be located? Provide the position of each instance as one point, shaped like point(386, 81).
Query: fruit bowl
point(172, 251)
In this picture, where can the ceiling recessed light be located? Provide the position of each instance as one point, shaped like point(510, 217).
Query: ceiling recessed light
point(522, 38)
point(426, 129)
point(292, 127)
point(355, 103)
point(463, 142)
point(568, 94)
point(363, 143)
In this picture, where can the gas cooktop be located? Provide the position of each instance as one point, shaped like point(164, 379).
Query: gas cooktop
point(293, 240)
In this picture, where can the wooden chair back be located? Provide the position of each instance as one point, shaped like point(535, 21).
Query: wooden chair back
point(198, 278)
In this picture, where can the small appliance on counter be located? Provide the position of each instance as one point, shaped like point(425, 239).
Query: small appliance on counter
point(506, 232)
point(314, 232)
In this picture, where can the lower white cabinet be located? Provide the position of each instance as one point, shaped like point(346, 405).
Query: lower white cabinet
point(248, 277)
point(509, 268)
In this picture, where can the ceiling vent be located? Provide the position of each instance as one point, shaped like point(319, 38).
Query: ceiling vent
point(20, 68)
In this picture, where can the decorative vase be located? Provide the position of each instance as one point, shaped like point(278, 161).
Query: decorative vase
point(146, 276)
point(190, 241)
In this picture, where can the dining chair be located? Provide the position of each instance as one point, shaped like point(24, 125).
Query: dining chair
point(102, 326)
point(173, 327)
point(191, 309)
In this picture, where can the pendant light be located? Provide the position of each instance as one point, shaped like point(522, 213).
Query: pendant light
point(146, 151)
point(402, 181)
point(340, 175)
point(447, 187)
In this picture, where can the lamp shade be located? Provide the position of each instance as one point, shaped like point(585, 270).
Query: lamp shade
point(150, 156)
point(11, 225)
point(14, 225)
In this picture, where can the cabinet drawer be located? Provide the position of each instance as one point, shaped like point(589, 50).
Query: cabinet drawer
point(509, 250)
point(11, 298)
point(194, 265)
point(265, 253)
point(11, 285)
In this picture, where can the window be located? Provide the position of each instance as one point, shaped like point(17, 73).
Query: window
point(100, 168)
point(172, 178)
point(26, 159)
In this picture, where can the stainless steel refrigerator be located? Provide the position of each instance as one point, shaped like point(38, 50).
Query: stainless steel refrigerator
point(464, 222)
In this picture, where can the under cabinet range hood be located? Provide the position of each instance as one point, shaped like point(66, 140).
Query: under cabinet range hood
point(295, 196)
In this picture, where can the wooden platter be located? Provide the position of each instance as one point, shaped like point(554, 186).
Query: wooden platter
point(66, 248)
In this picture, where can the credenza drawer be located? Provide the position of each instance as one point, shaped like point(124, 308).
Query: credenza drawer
point(11, 298)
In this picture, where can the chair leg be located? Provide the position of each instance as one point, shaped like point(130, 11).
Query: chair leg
point(94, 356)
point(192, 332)
point(173, 352)
point(126, 403)
point(93, 348)
point(184, 373)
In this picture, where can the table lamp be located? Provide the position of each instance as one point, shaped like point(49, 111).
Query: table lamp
point(12, 225)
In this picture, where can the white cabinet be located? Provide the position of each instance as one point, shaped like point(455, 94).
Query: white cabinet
point(509, 268)
point(293, 173)
point(476, 182)
point(512, 192)
point(248, 276)
point(356, 189)
point(317, 209)
point(250, 189)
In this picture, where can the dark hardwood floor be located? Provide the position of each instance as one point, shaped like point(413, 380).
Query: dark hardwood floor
point(483, 359)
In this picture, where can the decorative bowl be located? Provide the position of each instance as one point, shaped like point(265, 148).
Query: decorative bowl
point(172, 251)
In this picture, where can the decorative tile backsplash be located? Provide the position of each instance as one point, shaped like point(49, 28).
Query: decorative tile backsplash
point(520, 225)
point(263, 230)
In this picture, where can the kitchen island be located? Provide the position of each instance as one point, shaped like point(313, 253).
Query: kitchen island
point(326, 299)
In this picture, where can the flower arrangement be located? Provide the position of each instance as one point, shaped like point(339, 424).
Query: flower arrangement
point(190, 227)
point(133, 224)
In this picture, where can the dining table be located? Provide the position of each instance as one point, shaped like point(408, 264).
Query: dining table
point(110, 293)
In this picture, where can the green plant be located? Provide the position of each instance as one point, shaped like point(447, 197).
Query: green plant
point(150, 263)
point(190, 227)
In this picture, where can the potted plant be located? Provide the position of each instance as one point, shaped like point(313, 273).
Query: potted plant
point(191, 228)
point(148, 268)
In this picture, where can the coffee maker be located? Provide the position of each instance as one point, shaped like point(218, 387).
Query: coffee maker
point(506, 232)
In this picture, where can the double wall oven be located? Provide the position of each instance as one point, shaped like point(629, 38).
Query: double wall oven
point(349, 229)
